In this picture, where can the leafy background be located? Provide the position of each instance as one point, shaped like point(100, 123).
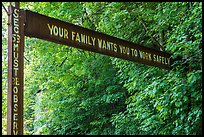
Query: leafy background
point(70, 91)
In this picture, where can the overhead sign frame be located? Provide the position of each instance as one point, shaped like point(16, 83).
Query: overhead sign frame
point(27, 23)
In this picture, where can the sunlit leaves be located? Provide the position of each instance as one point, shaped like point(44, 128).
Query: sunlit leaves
point(80, 92)
point(170, 96)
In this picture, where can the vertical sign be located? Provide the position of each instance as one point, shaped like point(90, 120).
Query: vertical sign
point(15, 71)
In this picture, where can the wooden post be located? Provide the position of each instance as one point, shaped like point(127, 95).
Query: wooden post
point(15, 71)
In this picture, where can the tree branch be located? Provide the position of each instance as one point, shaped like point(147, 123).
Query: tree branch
point(63, 62)
point(5, 9)
point(153, 39)
point(26, 59)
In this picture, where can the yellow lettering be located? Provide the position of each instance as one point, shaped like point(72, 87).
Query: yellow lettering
point(89, 41)
point(104, 44)
point(16, 29)
point(61, 32)
point(15, 98)
point(15, 21)
point(15, 132)
point(18, 38)
point(93, 40)
point(15, 125)
point(58, 31)
point(50, 28)
point(163, 59)
point(65, 33)
point(124, 50)
point(115, 48)
point(134, 52)
point(149, 56)
point(15, 55)
point(168, 61)
point(14, 38)
point(15, 81)
point(73, 35)
point(100, 43)
point(154, 57)
point(145, 55)
point(15, 107)
point(109, 44)
point(55, 30)
point(83, 40)
point(15, 46)
point(77, 37)
point(121, 50)
point(127, 50)
point(15, 116)
point(141, 54)
point(158, 58)
point(16, 11)
point(15, 90)
point(15, 71)
point(15, 62)
point(16, 26)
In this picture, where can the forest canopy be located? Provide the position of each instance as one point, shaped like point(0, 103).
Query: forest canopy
point(69, 91)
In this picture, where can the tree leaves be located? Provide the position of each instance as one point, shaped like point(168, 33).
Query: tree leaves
point(88, 93)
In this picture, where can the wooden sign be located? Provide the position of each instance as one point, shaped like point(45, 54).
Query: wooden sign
point(50, 29)
point(15, 72)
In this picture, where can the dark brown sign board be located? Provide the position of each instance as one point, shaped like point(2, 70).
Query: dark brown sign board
point(54, 30)
point(15, 72)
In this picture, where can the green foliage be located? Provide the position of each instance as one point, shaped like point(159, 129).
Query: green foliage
point(167, 102)
point(74, 92)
